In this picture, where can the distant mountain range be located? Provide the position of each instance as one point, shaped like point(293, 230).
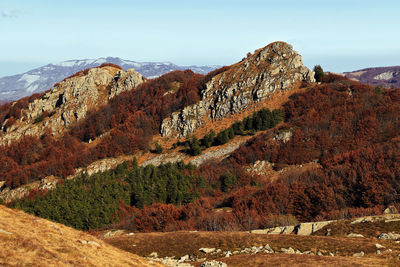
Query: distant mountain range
point(43, 78)
point(382, 76)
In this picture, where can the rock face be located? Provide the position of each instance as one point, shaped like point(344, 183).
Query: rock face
point(300, 229)
point(70, 101)
point(272, 69)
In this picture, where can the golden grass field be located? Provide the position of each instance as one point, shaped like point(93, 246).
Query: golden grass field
point(26, 240)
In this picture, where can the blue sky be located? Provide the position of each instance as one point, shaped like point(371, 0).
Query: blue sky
point(339, 35)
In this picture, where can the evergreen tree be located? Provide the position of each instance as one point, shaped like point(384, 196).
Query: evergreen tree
point(319, 73)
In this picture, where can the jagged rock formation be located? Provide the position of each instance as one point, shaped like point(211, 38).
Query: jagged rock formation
point(70, 101)
point(274, 68)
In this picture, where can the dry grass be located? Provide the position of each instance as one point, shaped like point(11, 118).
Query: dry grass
point(30, 241)
point(300, 260)
point(368, 229)
point(181, 243)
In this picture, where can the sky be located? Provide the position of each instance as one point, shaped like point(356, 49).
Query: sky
point(339, 35)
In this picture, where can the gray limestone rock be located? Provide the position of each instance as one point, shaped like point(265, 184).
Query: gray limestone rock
point(272, 69)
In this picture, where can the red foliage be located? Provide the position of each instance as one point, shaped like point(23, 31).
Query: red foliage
point(131, 119)
point(12, 111)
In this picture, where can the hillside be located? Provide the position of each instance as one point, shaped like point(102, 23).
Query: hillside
point(128, 122)
point(30, 241)
point(388, 77)
point(268, 147)
point(55, 111)
point(43, 78)
point(256, 249)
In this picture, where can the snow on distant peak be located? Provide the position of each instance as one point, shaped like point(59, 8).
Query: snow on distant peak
point(69, 63)
point(28, 79)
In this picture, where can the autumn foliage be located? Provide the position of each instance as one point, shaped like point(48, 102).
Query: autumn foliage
point(348, 129)
point(129, 119)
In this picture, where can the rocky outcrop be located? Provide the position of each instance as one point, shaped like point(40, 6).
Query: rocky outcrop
point(71, 100)
point(274, 68)
point(300, 229)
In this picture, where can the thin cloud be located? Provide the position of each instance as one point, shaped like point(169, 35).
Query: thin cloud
point(7, 14)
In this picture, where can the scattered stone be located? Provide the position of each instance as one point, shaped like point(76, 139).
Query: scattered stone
point(93, 243)
point(378, 252)
point(354, 235)
point(388, 251)
point(268, 249)
point(389, 236)
point(379, 246)
point(289, 250)
point(359, 255)
point(228, 254)
point(331, 254)
point(284, 136)
point(131, 234)
point(5, 232)
point(113, 233)
point(184, 258)
point(319, 253)
point(207, 250)
point(214, 263)
point(153, 255)
point(363, 219)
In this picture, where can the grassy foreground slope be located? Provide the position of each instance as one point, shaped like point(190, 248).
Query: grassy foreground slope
point(335, 250)
point(26, 240)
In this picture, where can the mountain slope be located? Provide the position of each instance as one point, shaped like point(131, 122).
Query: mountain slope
point(273, 69)
point(388, 77)
point(26, 240)
point(43, 78)
point(69, 101)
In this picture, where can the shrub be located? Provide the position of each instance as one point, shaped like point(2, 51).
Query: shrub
point(319, 73)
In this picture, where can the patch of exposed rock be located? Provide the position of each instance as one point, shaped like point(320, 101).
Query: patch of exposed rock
point(274, 68)
point(300, 229)
point(71, 100)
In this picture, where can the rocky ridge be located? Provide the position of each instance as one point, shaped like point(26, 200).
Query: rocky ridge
point(71, 100)
point(274, 68)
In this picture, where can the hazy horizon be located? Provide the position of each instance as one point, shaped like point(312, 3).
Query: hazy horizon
point(338, 35)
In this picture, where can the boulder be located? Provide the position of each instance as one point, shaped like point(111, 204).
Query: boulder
point(354, 235)
point(309, 228)
point(207, 250)
point(289, 250)
point(359, 255)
